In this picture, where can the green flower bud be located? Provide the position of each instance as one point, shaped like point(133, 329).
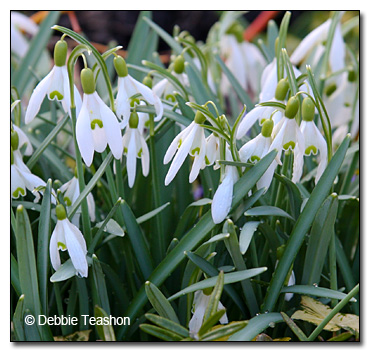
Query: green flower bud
point(352, 76)
point(267, 127)
point(120, 66)
point(88, 81)
point(308, 109)
point(280, 251)
point(148, 81)
point(199, 118)
point(330, 89)
point(134, 120)
point(237, 30)
point(179, 64)
point(292, 107)
point(61, 212)
point(60, 53)
point(14, 140)
point(281, 89)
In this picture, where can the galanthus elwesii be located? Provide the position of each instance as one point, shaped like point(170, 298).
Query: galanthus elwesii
point(71, 190)
point(200, 303)
point(189, 141)
point(127, 88)
point(21, 176)
point(314, 142)
point(287, 136)
point(256, 149)
point(223, 197)
point(97, 126)
point(55, 86)
point(134, 146)
point(67, 236)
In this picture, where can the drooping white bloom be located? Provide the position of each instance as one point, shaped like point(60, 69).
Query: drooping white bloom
point(134, 146)
point(256, 149)
point(128, 87)
point(314, 142)
point(22, 178)
point(96, 127)
point(19, 23)
point(212, 151)
point(189, 141)
point(71, 190)
point(23, 140)
point(222, 200)
point(200, 304)
point(67, 236)
point(55, 86)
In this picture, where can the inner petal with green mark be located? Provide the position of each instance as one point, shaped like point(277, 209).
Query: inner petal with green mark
point(311, 149)
point(19, 191)
point(55, 94)
point(255, 158)
point(179, 143)
point(288, 145)
point(125, 150)
point(96, 122)
point(207, 160)
point(62, 246)
point(195, 151)
point(140, 152)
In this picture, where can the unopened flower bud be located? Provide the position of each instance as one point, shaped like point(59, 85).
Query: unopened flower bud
point(308, 109)
point(292, 107)
point(281, 89)
point(60, 212)
point(267, 128)
point(60, 53)
point(179, 64)
point(134, 120)
point(120, 66)
point(88, 81)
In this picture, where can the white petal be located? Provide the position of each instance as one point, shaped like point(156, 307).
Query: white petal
point(223, 319)
point(266, 178)
point(222, 199)
point(37, 97)
point(338, 51)
point(23, 140)
point(53, 248)
point(84, 134)
point(131, 160)
point(91, 206)
point(145, 157)
point(16, 181)
point(76, 246)
point(112, 130)
point(248, 121)
point(122, 103)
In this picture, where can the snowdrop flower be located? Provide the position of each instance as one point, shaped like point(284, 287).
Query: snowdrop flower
point(314, 142)
point(263, 113)
point(21, 176)
point(212, 151)
point(127, 87)
point(55, 86)
point(19, 22)
point(287, 135)
point(222, 200)
point(96, 124)
point(256, 149)
point(23, 140)
point(200, 303)
point(71, 190)
point(189, 141)
point(67, 236)
point(134, 146)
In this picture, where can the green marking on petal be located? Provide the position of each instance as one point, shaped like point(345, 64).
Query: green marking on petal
point(19, 191)
point(262, 121)
point(347, 105)
point(207, 160)
point(55, 94)
point(288, 145)
point(140, 152)
point(311, 149)
point(125, 150)
point(62, 246)
point(96, 122)
point(195, 150)
point(179, 143)
point(67, 201)
point(255, 158)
